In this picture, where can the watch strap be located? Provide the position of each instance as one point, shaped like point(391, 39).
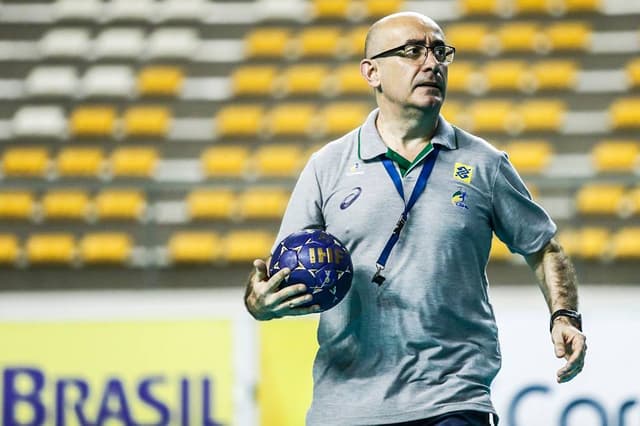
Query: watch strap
point(571, 314)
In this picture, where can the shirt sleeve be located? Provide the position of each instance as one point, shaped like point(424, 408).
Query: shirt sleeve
point(304, 209)
point(518, 221)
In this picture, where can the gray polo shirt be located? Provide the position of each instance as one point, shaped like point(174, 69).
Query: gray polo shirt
point(425, 342)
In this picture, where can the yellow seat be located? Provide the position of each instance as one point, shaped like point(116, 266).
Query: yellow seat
point(291, 119)
point(330, 9)
point(194, 247)
point(211, 203)
point(147, 121)
point(134, 161)
point(227, 160)
point(569, 239)
point(378, 8)
point(559, 7)
point(27, 161)
point(625, 113)
point(617, 156)
point(50, 248)
point(267, 42)
point(80, 161)
point(262, 203)
point(499, 250)
point(594, 242)
point(105, 247)
point(599, 199)
point(542, 115)
point(529, 156)
point(517, 36)
point(93, 121)
point(355, 39)
point(246, 245)
point(490, 115)
point(531, 6)
point(346, 79)
point(302, 79)
point(468, 37)
point(633, 72)
point(460, 76)
point(16, 204)
point(341, 117)
point(478, 7)
point(160, 80)
point(283, 160)
point(9, 248)
point(630, 204)
point(626, 243)
point(505, 74)
point(454, 112)
point(119, 204)
point(317, 42)
point(552, 75)
point(566, 35)
point(239, 120)
point(253, 80)
point(65, 204)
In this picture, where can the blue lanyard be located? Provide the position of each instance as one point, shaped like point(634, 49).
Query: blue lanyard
point(421, 184)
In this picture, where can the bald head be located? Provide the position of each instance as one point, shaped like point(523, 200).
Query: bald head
point(382, 33)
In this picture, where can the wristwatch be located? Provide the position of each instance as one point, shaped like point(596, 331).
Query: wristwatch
point(571, 314)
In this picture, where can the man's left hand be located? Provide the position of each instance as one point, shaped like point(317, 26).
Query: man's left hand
point(569, 343)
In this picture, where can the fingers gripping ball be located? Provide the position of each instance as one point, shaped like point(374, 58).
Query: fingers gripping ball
point(318, 260)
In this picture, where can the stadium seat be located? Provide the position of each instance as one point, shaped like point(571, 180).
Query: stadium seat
point(625, 244)
point(26, 161)
point(79, 162)
point(633, 72)
point(225, 161)
point(535, 7)
point(542, 115)
point(173, 43)
point(316, 42)
point(569, 239)
point(353, 40)
point(183, 10)
point(490, 115)
point(16, 204)
point(119, 43)
point(599, 199)
point(630, 204)
point(468, 37)
point(340, 117)
point(58, 248)
point(594, 242)
point(105, 248)
point(516, 37)
point(262, 203)
point(617, 156)
point(93, 121)
point(454, 112)
point(461, 76)
point(214, 203)
point(378, 8)
point(267, 42)
point(147, 121)
point(565, 35)
point(247, 245)
point(133, 161)
point(40, 121)
point(65, 42)
point(347, 80)
point(88, 10)
point(504, 74)
point(290, 119)
point(194, 247)
point(303, 79)
point(551, 75)
point(52, 81)
point(9, 249)
point(323, 9)
point(239, 120)
point(281, 160)
point(119, 204)
point(127, 10)
point(561, 7)
point(625, 113)
point(478, 7)
point(530, 156)
point(253, 80)
point(499, 251)
point(65, 204)
point(160, 80)
point(108, 81)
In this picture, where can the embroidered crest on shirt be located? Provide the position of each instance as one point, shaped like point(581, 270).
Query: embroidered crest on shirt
point(463, 172)
point(459, 199)
point(355, 169)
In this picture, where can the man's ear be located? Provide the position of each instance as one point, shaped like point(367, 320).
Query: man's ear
point(369, 71)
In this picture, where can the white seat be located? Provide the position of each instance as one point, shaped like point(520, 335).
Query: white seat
point(90, 10)
point(65, 42)
point(173, 43)
point(108, 80)
point(119, 43)
point(46, 121)
point(52, 81)
point(139, 10)
point(183, 10)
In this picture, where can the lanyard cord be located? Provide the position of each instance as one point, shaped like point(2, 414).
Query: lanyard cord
point(421, 184)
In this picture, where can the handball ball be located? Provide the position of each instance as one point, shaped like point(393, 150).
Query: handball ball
point(318, 260)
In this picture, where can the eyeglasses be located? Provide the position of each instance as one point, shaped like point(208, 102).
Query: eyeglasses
point(414, 52)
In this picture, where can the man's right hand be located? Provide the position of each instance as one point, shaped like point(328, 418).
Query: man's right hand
point(265, 301)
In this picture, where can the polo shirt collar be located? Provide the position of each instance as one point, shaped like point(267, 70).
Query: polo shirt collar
point(370, 143)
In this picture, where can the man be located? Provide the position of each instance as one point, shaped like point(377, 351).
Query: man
point(416, 201)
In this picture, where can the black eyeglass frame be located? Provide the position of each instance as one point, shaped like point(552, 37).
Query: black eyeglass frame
point(394, 51)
